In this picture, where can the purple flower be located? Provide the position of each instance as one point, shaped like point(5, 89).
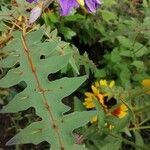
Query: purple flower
point(92, 5)
point(68, 5)
point(35, 14)
point(30, 1)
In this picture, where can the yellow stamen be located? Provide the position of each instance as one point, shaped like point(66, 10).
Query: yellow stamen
point(81, 2)
point(94, 119)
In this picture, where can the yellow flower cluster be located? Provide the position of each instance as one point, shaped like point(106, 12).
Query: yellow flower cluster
point(97, 94)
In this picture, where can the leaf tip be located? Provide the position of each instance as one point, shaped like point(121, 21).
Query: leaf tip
point(12, 141)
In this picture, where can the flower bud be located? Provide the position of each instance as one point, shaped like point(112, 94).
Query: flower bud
point(35, 14)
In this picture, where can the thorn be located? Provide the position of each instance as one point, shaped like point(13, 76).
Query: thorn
point(47, 106)
point(54, 126)
point(19, 72)
point(36, 131)
point(62, 148)
point(41, 90)
point(25, 97)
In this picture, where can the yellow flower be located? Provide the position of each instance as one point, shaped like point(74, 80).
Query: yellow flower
point(146, 84)
point(101, 98)
point(96, 93)
point(95, 90)
point(120, 111)
point(112, 83)
point(88, 101)
point(105, 83)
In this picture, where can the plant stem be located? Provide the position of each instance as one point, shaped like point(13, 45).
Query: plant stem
point(146, 108)
point(139, 128)
point(144, 121)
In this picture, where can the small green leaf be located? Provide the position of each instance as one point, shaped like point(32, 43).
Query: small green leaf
point(67, 32)
point(124, 41)
point(138, 139)
point(115, 57)
point(78, 105)
point(100, 114)
point(100, 73)
point(140, 50)
point(108, 16)
point(139, 65)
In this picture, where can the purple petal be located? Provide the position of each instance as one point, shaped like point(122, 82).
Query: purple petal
point(30, 1)
point(35, 14)
point(92, 5)
point(67, 6)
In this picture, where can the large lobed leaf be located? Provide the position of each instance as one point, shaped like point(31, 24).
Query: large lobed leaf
point(36, 61)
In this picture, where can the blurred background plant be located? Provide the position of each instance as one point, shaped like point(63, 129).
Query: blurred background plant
point(112, 44)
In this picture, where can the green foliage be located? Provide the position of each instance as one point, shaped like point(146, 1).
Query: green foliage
point(39, 92)
point(121, 28)
point(41, 75)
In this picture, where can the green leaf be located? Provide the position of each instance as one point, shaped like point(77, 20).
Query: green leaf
point(74, 17)
point(139, 65)
point(78, 105)
point(126, 53)
point(44, 95)
point(108, 16)
point(124, 73)
point(109, 3)
point(138, 139)
point(140, 50)
point(119, 123)
point(67, 32)
point(39, 131)
point(115, 145)
point(100, 114)
point(100, 73)
point(115, 57)
point(124, 41)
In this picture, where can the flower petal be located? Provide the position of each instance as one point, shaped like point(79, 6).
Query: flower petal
point(112, 83)
point(35, 14)
point(88, 94)
point(30, 1)
point(95, 90)
point(92, 5)
point(103, 82)
point(67, 6)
